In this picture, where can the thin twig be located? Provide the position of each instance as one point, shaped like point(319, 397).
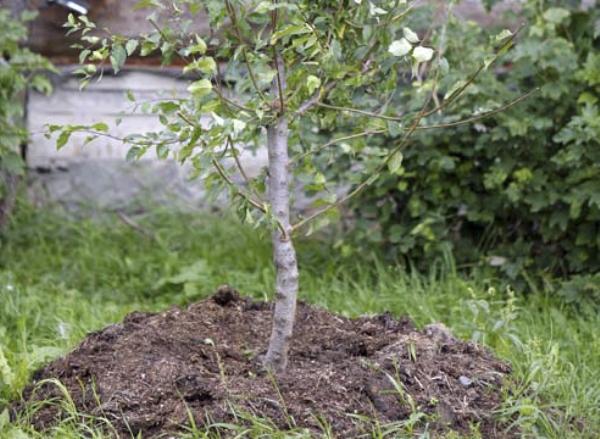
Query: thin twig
point(315, 98)
point(424, 127)
point(482, 115)
point(125, 139)
point(230, 102)
point(158, 29)
point(366, 182)
point(333, 142)
point(240, 192)
point(458, 93)
point(358, 111)
point(243, 173)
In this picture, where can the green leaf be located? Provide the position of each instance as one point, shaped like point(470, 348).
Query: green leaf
point(238, 126)
point(556, 15)
point(100, 126)
point(195, 272)
point(411, 36)
point(42, 84)
point(267, 6)
point(131, 46)
point(83, 55)
point(206, 65)
point(395, 162)
point(41, 354)
point(118, 56)
point(375, 10)
point(503, 35)
point(7, 375)
point(12, 163)
point(394, 128)
point(4, 419)
point(63, 138)
point(168, 107)
point(312, 83)
point(198, 48)
point(400, 47)
point(292, 29)
point(422, 54)
point(134, 153)
point(187, 150)
point(200, 88)
point(145, 4)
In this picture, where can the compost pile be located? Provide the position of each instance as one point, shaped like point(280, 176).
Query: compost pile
point(151, 372)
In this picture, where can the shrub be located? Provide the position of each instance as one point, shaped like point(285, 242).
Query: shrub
point(19, 69)
point(520, 191)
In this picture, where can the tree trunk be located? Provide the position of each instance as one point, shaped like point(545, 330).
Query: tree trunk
point(284, 254)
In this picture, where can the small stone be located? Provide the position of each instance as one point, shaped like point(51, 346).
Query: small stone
point(439, 333)
point(465, 381)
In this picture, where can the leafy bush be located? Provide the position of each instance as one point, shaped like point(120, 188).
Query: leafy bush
point(519, 191)
point(19, 69)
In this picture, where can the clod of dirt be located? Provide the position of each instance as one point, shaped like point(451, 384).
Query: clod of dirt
point(144, 374)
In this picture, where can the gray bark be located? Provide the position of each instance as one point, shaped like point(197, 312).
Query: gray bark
point(284, 254)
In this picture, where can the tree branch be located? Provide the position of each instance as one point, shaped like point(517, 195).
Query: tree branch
point(358, 111)
point(242, 171)
point(368, 181)
point(315, 98)
point(225, 177)
point(482, 115)
point(223, 174)
point(333, 142)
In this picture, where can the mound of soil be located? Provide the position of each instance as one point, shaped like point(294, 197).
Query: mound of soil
point(144, 374)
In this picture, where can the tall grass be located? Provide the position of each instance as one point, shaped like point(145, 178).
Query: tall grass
point(60, 279)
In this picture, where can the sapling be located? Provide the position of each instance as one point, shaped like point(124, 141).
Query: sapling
point(277, 73)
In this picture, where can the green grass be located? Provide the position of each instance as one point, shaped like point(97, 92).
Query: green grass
point(60, 279)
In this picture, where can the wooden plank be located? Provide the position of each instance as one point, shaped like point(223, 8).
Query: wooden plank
point(47, 36)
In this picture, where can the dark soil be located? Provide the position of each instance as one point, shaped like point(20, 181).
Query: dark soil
point(145, 373)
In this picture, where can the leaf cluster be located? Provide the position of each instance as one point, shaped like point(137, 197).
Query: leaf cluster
point(19, 69)
point(518, 192)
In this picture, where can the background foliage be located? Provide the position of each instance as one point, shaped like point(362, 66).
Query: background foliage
point(19, 69)
point(518, 192)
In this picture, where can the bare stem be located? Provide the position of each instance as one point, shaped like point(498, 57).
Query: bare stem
point(487, 114)
point(284, 253)
point(335, 141)
point(358, 111)
point(243, 173)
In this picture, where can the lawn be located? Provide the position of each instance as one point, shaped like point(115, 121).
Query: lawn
point(60, 279)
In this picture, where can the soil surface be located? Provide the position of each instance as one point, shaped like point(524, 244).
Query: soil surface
point(144, 374)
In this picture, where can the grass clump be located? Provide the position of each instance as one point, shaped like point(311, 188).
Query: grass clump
point(62, 278)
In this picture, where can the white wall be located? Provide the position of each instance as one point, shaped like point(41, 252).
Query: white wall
point(97, 174)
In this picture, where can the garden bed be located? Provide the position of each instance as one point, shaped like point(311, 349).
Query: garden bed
point(152, 372)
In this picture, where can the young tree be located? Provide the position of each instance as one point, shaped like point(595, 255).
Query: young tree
point(282, 71)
